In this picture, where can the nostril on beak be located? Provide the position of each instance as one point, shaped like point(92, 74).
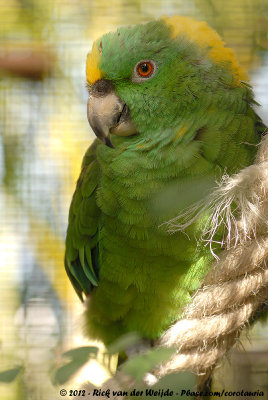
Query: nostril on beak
point(101, 88)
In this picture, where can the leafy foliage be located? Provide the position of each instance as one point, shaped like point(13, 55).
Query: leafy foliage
point(139, 365)
point(77, 358)
point(135, 368)
point(10, 375)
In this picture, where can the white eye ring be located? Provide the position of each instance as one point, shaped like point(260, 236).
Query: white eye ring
point(149, 67)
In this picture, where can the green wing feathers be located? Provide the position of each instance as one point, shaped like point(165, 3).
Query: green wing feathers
point(82, 234)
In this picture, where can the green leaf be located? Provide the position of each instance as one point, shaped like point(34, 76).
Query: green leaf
point(78, 357)
point(137, 366)
point(81, 353)
point(10, 375)
point(124, 342)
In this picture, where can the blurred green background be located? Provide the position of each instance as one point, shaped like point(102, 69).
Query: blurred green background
point(43, 135)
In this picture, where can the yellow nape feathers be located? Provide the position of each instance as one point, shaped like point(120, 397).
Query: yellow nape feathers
point(201, 33)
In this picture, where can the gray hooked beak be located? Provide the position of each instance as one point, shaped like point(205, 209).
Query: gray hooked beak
point(107, 113)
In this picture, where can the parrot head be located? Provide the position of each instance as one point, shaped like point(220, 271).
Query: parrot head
point(151, 81)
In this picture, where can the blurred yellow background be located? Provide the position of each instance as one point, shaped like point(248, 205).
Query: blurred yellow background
point(43, 135)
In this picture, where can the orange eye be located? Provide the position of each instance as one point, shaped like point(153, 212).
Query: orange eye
point(145, 69)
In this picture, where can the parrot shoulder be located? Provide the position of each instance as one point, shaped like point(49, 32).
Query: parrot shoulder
point(82, 234)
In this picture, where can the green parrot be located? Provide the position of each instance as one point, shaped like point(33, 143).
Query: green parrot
point(172, 113)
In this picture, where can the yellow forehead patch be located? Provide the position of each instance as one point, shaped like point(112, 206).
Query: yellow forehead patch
point(205, 36)
point(93, 72)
